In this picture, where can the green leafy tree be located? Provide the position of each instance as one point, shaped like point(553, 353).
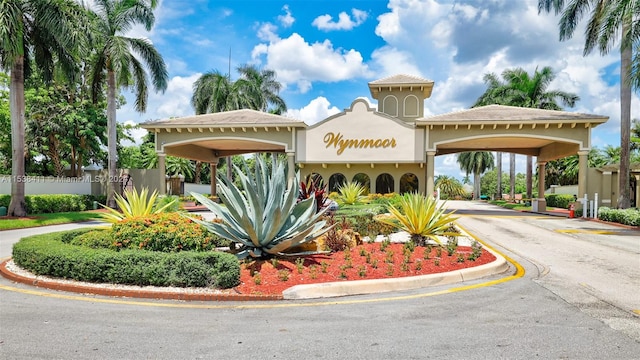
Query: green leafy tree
point(49, 32)
point(117, 65)
point(611, 22)
point(476, 163)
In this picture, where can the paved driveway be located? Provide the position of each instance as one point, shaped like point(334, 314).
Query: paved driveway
point(559, 309)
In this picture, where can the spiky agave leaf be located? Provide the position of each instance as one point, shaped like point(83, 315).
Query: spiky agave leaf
point(265, 218)
point(132, 204)
point(420, 215)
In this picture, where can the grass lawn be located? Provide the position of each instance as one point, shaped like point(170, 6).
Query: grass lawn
point(7, 223)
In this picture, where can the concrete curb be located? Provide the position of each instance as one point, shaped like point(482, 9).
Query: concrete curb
point(362, 287)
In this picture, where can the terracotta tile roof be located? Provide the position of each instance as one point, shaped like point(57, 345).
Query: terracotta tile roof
point(502, 113)
point(232, 118)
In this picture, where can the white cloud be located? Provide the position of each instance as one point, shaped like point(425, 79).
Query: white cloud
point(345, 22)
point(299, 62)
point(176, 101)
point(286, 20)
point(137, 134)
point(317, 110)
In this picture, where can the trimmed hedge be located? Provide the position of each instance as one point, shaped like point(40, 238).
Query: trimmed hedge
point(620, 216)
point(48, 255)
point(559, 200)
point(55, 203)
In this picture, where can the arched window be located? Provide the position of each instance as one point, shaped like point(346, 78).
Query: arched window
point(390, 105)
point(384, 184)
point(335, 181)
point(408, 183)
point(363, 179)
point(411, 106)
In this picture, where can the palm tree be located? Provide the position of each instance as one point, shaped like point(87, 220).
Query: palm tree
point(609, 19)
point(255, 89)
point(262, 89)
point(450, 187)
point(512, 175)
point(116, 65)
point(48, 32)
point(476, 163)
point(518, 88)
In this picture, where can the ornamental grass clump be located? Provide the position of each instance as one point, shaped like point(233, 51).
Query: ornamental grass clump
point(265, 217)
point(421, 217)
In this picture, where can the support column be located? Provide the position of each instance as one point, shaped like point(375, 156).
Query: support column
point(291, 168)
point(431, 155)
point(637, 190)
point(162, 169)
point(583, 164)
point(540, 204)
point(214, 178)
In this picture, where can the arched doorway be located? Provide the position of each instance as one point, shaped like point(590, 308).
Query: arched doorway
point(384, 183)
point(335, 181)
point(409, 183)
point(364, 180)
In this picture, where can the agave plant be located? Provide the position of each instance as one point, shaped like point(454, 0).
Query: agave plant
point(351, 193)
point(421, 217)
point(265, 217)
point(132, 204)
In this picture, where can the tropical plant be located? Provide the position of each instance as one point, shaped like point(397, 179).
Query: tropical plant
point(46, 31)
point(133, 204)
point(116, 65)
point(265, 217)
point(610, 22)
point(314, 187)
point(450, 187)
point(476, 163)
point(351, 193)
point(421, 217)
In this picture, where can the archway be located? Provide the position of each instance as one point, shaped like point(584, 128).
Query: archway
point(409, 183)
point(335, 181)
point(364, 180)
point(385, 183)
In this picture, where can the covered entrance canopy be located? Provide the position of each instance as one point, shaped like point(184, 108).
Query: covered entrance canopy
point(546, 134)
point(394, 140)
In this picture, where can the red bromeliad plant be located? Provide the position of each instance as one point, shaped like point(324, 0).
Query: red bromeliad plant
point(314, 186)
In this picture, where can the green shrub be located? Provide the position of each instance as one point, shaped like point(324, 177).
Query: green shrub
point(167, 232)
point(48, 255)
point(96, 239)
point(55, 203)
point(620, 216)
point(559, 200)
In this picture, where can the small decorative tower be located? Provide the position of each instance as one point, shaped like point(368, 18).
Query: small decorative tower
point(401, 96)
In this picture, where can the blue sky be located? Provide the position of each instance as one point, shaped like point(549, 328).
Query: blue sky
point(325, 52)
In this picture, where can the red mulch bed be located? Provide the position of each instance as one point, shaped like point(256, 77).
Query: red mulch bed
point(262, 278)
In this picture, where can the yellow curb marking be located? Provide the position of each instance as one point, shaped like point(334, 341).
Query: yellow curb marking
point(584, 231)
point(518, 274)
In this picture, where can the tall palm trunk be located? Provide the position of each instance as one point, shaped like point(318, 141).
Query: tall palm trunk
point(476, 186)
point(624, 199)
point(512, 174)
point(112, 140)
point(17, 206)
point(499, 175)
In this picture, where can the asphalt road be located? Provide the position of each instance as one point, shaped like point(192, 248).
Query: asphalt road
point(575, 301)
